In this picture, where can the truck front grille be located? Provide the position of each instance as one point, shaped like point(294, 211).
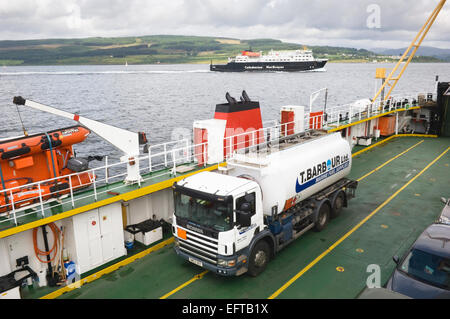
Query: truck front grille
point(199, 246)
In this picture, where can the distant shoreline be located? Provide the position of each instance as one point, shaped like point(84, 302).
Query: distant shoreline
point(168, 49)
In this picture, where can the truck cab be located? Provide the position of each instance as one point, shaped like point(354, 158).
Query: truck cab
point(216, 219)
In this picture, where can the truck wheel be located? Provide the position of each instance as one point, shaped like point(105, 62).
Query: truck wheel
point(258, 258)
point(338, 203)
point(323, 217)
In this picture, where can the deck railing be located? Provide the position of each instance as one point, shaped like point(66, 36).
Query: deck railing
point(163, 161)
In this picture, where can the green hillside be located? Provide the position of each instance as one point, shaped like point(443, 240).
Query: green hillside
point(157, 49)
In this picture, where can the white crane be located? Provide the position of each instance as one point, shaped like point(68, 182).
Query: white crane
point(126, 141)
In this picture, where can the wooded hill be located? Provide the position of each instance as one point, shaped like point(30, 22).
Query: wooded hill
point(158, 49)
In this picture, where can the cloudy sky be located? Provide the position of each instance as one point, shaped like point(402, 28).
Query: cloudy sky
point(354, 23)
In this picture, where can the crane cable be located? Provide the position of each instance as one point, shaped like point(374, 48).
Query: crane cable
point(38, 252)
point(23, 126)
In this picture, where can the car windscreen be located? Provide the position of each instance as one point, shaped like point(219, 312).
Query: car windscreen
point(427, 267)
point(208, 213)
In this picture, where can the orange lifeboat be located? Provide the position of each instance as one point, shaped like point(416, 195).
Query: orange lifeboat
point(30, 159)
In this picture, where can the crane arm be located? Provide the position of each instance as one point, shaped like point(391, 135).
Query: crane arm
point(414, 44)
point(126, 141)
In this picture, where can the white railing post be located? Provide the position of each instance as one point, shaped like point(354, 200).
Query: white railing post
point(174, 163)
point(71, 192)
point(95, 187)
point(204, 154)
point(106, 169)
point(350, 115)
point(40, 200)
point(13, 208)
point(396, 123)
point(187, 151)
point(165, 154)
point(149, 160)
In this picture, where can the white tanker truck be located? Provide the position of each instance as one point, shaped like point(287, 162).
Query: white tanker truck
point(235, 222)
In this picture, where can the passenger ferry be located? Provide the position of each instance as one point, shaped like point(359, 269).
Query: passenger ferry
point(287, 61)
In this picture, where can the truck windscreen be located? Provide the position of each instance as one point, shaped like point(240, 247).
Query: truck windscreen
point(209, 213)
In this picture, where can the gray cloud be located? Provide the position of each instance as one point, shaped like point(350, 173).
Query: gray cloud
point(318, 22)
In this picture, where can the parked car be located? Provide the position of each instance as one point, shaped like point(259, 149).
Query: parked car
point(424, 271)
point(444, 218)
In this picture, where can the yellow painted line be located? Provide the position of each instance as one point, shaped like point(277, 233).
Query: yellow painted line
point(326, 252)
point(390, 160)
point(373, 145)
point(390, 138)
point(371, 118)
point(107, 270)
point(196, 277)
point(122, 197)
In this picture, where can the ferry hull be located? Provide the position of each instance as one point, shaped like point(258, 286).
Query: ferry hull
point(269, 66)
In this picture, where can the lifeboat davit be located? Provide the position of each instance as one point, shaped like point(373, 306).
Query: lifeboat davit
point(30, 159)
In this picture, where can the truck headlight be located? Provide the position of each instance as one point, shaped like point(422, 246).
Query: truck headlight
point(226, 263)
point(221, 262)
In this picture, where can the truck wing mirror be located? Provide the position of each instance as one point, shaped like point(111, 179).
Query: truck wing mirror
point(396, 259)
point(245, 207)
point(243, 218)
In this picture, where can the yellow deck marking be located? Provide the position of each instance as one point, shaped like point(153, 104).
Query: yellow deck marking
point(390, 138)
point(196, 277)
point(390, 160)
point(107, 270)
point(340, 269)
point(332, 247)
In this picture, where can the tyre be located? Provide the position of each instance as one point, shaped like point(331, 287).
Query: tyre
point(338, 204)
point(259, 258)
point(323, 217)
